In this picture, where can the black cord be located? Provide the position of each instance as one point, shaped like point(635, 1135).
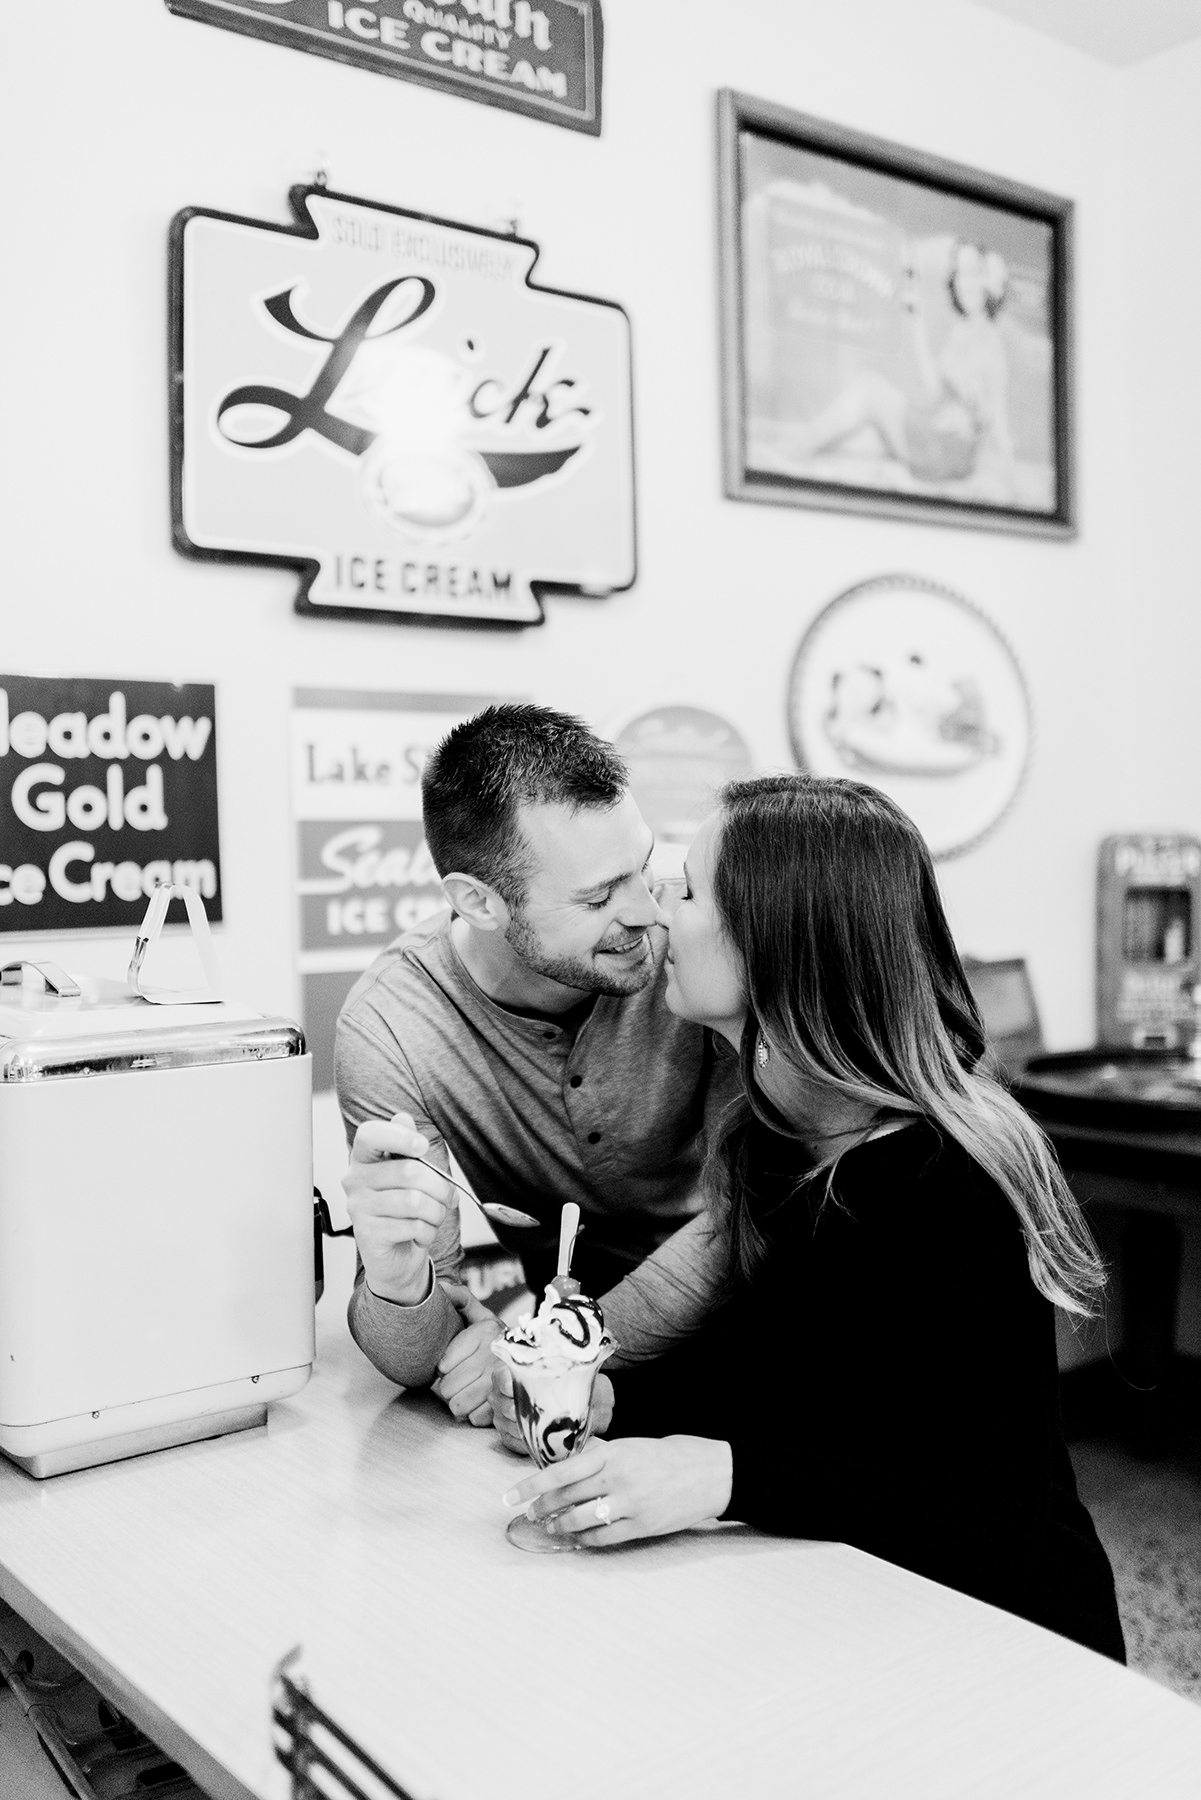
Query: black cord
point(321, 1208)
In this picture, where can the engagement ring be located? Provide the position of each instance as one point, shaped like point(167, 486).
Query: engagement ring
point(603, 1513)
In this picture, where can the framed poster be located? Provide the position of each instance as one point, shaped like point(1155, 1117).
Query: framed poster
point(363, 872)
point(907, 686)
point(896, 329)
point(543, 60)
point(384, 403)
point(108, 789)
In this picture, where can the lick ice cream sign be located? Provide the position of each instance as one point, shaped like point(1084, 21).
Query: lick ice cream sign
point(384, 402)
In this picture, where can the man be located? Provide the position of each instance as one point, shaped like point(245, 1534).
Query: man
point(524, 1030)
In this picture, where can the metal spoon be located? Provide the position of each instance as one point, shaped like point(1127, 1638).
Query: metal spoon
point(569, 1230)
point(494, 1209)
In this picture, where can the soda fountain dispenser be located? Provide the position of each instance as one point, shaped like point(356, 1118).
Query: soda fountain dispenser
point(1148, 949)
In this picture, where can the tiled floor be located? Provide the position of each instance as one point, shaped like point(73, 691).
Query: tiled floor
point(1148, 1516)
point(120, 1763)
point(25, 1771)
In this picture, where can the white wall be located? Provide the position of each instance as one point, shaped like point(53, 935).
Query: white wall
point(1161, 191)
point(124, 114)
point(120, 115)
point(1161, 194)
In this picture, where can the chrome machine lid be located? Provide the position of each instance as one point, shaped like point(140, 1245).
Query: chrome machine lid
point(90, 1027)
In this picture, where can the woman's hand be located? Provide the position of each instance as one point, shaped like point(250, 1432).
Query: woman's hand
point(631, 1488)
point(504, 1414)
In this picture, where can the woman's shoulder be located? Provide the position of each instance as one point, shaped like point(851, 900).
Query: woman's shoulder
point(922, 1163)
point(918, 1142)
point(914, 1150)
point(914, 1184)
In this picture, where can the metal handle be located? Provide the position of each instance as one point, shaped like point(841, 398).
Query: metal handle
point(148, 931)
point(57, 980)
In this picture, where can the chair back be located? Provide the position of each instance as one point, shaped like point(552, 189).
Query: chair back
point(1003, 992)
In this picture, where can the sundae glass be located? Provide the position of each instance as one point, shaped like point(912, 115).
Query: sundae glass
point(553, 1356)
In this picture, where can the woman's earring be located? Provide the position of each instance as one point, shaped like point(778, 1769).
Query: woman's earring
point(762, 1053)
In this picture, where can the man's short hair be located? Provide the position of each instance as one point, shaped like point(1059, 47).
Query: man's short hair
point(486, 767)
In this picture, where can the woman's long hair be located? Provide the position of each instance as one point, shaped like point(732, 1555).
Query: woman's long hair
point(826, 891)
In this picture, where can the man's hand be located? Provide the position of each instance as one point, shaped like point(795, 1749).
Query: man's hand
point(504, 1415)
point(396, 1206)
point(465, 1370)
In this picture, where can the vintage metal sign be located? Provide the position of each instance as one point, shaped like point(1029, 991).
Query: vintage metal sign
point(108, 790)
point(904, 684)
point(542, 59)
point(364, 873)
point(383, 402)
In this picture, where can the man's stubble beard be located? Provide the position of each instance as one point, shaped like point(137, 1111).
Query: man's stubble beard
point(578, 972)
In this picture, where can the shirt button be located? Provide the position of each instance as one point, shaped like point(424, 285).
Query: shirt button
point(576, 1080)
point(594, 1137)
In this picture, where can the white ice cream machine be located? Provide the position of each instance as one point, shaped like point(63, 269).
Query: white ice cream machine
point(156, 1216)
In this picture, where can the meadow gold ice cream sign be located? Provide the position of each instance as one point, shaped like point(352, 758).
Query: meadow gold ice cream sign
point(541, 57)
point(108, 789)
point(385, 403)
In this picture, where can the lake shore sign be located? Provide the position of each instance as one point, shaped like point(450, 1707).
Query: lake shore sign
point(383, 402)
point(540, 59)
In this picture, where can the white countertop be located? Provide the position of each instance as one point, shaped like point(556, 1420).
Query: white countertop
point(369, 1530)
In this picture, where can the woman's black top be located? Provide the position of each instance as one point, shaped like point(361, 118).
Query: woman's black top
point(888, 1379)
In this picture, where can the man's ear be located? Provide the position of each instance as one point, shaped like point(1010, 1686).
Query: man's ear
point(475, 901)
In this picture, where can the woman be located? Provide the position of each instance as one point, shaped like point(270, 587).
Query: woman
point(894, 1232)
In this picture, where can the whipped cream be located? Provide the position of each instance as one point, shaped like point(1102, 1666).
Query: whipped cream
point(572, 1328)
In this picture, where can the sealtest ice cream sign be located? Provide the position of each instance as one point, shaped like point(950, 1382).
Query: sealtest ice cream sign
point(364, 872)
point(107, 791)
point(385, 403)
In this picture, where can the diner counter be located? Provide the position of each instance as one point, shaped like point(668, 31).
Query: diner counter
point(369, 1530)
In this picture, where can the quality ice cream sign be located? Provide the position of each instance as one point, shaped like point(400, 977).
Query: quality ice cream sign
point(542, 59)
point(385, 403)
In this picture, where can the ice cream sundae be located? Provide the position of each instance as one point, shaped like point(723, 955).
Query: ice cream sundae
point(553, 1355)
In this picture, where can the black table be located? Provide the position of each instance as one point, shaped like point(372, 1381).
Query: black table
point(1126, 1125)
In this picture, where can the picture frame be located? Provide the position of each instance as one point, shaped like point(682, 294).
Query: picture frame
point(896, 329)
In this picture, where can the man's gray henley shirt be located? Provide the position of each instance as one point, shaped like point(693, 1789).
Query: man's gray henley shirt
point(607, 1107)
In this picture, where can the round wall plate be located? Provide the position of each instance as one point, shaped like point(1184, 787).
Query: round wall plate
point(679, 758)
point(904, 684)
